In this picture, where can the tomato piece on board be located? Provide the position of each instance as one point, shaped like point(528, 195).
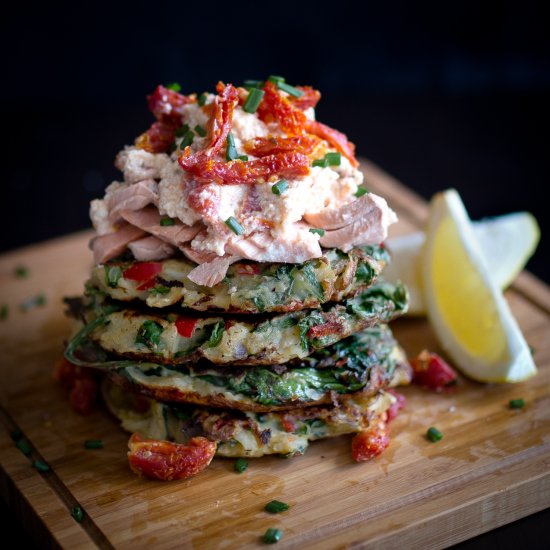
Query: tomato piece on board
point(370, 443)
point(186, 326)
point(164, 460)
point(337, 139)
point(142, 271)
point(432, 371)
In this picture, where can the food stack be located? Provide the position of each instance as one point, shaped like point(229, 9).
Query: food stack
point(235, 306)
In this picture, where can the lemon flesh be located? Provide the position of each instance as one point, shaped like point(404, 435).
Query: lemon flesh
point(467, 311)
point(507, 243)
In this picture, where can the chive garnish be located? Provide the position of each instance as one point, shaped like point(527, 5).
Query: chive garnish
point(322, 163)
point(280, 187)
point(187, 139)
point(174, 86)
point(202, 98)
point(216, 334)
point(4, 310)
point(24, 446)
point(234, 225)
point(276, 507)
point(93, 444)
point(231, 150)
point(199, 130)
point(252, 84)
point(41, 466)
point(272, 536)
point(333, 159)
point(276, 79)
point(77, 513)
point(21, 272)
point(291, 90)
point(112, 275)
point(361, 190)
point(160, 289)
point(180, 132)
point(320, 232)
point(240, 465)
point(166, 221)
point(35, 301)
point(254, 99)
point(433, 434)
point(516, 403)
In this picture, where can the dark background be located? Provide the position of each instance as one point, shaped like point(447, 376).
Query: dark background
point(453, 94)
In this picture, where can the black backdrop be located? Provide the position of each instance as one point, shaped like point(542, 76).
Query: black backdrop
point(440, 95)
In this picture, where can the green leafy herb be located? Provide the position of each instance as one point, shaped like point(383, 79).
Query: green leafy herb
point(174, 86)
point(309, 274)
point(280, 187)
point(112, 275)
point(271, 536)
point(364, 272)
point(433, 434)
point(199, 130)
point(333, 159)
point(149, 334)
point(41, 466)
point(21, 272)
point(160, 289)
point(35, 301)
point(167, 222)
point(202, 98)
point(4, 310)
point(516, 403)
point(24, 446)
point(234, 225)
point(259, 303)
point(320, 232)
point(240, 465)
point(93, 444)
point(361, 190)
point(302, 430)
point(216, 334)
point(253, 100)
point(276, 507)
point(77, 513)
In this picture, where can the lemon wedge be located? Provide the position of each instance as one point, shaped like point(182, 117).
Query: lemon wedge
point(507, 242)
point(467, 311)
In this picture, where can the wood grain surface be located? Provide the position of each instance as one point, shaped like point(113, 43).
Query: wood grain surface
point(492, 466)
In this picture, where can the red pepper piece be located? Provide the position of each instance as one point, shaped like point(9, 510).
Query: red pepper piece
point(186, 326)
point(142, 271)
point(431, 371)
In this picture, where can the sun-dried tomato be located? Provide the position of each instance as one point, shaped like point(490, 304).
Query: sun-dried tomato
point(167, 105)
point(399, 404)
point(261, 147)
point(164, 460)
point(276, 108)
point(326, 329)
point(337, 139)
point(282, 165)
point(308, 99)
point(158, 139)
point(370, 443)
point(431, 371)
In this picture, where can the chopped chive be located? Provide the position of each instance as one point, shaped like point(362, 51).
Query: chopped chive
point(187, 139)
point(333, 159)
point(21, 272)
point(516, 403)
point(234, 225)
point(16, 434)
point(433, 434)
point(532, 350)
point(4, 310)
point(40, 465)
point(202, 98)
point(244, 158)
point(24, 446)
point(77, 513)
point(253, 84)
point(231, 150)
point(280, 187)
point(322, 163)
point(291, 90)
point(174, 86)
point(35, 301)
point(216, 334)
point(272, 536)
point(275, 79)
point(180, 132)
point(93, 444)
point(361, 190)
point(254, 99)
point(320, 232)
point(199, 130)
point(167, 221)
point(112, 275)
point(160, 289)
point(276, 507)
point(240, 465)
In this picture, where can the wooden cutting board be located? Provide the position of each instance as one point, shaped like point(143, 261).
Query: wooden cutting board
point(492, 466)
